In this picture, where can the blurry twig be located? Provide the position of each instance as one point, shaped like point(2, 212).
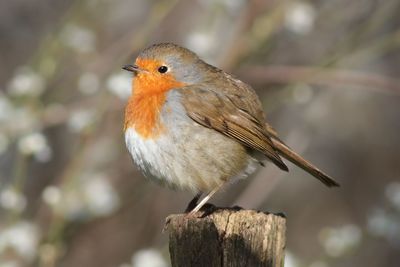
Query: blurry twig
point(265, 15)
point(320, 76)
point(134, 40)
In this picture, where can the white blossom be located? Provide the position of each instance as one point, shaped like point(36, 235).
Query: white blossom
point(35, 144)
point(384, 224)
point(120, 84)
point(291, 260)
point(22, 237)
point(12, 199)
point(338, 241)
point(100, 196)
point(79, 38)
point(51, 195)
point(26, 82)
point(22, 121)
point(300, 17)
point(200, 42)
point(80, 119)
point(94, 198)
point(149, 258)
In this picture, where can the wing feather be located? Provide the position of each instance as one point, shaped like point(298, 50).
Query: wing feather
point(215, 110)
point(233, 109)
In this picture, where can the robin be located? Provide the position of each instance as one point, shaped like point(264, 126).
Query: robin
point(192, 126)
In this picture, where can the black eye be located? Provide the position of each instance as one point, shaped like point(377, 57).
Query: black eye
point(163, 69)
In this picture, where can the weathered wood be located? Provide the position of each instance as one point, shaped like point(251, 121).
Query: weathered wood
point(227, 237)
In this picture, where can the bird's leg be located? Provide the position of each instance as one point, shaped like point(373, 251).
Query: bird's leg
point(204, 200)
point(192, 204)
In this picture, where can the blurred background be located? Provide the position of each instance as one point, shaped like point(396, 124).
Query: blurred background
point(327, 72)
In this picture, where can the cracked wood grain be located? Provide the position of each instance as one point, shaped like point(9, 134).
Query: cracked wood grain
point(227, 237)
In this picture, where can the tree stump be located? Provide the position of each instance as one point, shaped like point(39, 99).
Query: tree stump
point(227, 237)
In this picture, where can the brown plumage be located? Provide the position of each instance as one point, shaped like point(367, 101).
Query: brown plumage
point(229, 115)
point(192, 126)
point(237, 115)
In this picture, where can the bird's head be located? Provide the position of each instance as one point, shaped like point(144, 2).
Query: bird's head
point(166, 66)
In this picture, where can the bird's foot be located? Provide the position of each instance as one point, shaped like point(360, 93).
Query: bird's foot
point(193, 203)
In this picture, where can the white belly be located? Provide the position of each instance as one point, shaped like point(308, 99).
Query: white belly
point(187, 155)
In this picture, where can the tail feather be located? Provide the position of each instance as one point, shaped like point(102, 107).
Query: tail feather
point(296, 159)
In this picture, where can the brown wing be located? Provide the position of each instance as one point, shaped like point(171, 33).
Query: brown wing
point(230, 115)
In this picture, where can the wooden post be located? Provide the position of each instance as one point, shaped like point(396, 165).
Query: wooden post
point(227, 237)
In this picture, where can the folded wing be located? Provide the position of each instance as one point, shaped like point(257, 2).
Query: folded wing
point(229, 116)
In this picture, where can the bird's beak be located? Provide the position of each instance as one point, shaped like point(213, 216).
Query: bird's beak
point(132, 68)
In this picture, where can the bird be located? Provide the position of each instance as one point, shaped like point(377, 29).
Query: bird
point(192, 126)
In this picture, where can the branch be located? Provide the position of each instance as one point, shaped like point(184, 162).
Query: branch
point(320, 76)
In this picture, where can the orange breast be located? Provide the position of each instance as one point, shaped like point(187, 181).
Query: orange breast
point(145, 104)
